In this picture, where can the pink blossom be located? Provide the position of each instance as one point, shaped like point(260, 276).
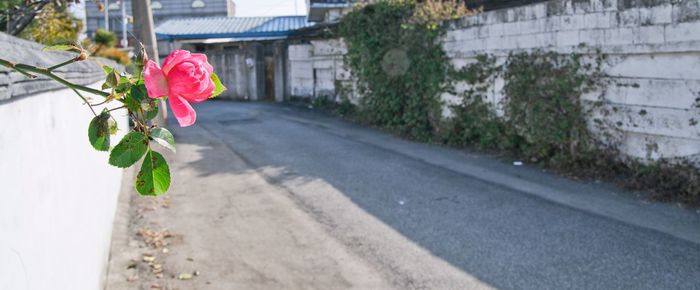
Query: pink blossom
point(184, 78)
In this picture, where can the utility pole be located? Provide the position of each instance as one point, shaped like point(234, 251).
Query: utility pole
point(125, 41)
point(106, 15)
point(143, 27)
point(143, 30)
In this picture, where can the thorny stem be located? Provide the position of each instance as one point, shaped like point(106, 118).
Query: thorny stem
point(103, 102)
point(25, 69)
point(85, 100)
point(117, 108)
point(67, 62)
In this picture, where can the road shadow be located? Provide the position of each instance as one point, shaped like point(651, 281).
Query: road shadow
point(503, 237)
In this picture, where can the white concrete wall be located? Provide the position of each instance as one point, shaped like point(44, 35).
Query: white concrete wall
point(59, 195)
point(653, 69)
point(317, 69)
point(653, 65)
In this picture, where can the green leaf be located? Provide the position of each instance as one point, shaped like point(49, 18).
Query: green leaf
point(150, 115)
point(218, 87)
point(164, 137)
point(129, 150)
point(61, 47)
point(136, 94)
point(113, 128)
point(98, 132)
point(139, 92)
point(113, 79)
point(107, 69)
point(154, 177)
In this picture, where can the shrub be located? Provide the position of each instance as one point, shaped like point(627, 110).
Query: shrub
point(115, 54)
point(105, 38)
point(398, 62)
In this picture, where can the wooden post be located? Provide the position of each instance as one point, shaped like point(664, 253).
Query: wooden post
point(143, 29)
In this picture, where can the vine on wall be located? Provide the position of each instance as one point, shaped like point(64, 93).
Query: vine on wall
point(394, 53)
point(402, 70)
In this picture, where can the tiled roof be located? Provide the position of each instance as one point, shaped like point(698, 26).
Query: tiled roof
point(230, 27)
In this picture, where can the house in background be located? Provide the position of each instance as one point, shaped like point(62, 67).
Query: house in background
point(163, 10)
point(328, 11)
point(258, 58)
point(249, 53)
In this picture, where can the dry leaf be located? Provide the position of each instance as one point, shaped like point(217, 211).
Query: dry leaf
point(148, 258)
point(184, 276)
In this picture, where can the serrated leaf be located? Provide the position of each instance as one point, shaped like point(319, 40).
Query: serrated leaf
point(164, 138)
point(132, 99)
point(154, 177)
point(218, 86)
point(139, 92)
point(129, 150)
point(98, 132)
point(61, 47)
point(113, 128)
point(112, 79)
point(107, 69)
point(150, 115)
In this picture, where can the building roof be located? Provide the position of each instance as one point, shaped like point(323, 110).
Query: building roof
point(323, 2)
point(318, 8)
point(230, 27)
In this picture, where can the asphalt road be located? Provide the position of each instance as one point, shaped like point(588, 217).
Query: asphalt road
point(427, 217)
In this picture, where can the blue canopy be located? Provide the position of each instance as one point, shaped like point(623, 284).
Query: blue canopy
point(230, 27)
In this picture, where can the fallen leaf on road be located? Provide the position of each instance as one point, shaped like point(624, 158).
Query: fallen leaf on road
point(155, 239)
point(184, 276)
point(148, 258)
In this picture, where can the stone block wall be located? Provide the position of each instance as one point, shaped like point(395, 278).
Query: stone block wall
point(652, 73)
point(652, 70)
point(317, 69)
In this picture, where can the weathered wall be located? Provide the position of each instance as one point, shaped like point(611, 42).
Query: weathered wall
point(242, 69)
point(58, 194)
point(317, 69)
point(653, 65)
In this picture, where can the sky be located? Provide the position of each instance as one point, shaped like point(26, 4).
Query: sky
point(246, 8)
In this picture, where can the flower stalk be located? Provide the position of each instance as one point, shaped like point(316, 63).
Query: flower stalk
point(30, 70)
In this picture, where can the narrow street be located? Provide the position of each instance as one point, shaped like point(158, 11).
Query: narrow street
point(279, 197)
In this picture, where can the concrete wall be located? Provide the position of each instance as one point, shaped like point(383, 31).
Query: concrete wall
point(653, 68)
point(317, 69)
point(59, 195)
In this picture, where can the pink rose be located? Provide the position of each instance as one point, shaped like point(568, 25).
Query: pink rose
point(185, 77)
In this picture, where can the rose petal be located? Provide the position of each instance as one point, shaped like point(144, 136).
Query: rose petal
point(202, 95)
point(202, 58)
point(173, 59)
point(183, 111)
point(183, 79)
point(156, 83)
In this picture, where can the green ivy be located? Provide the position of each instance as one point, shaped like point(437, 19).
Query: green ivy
point(401, 71)
point(545, 118)
point(399, 64)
